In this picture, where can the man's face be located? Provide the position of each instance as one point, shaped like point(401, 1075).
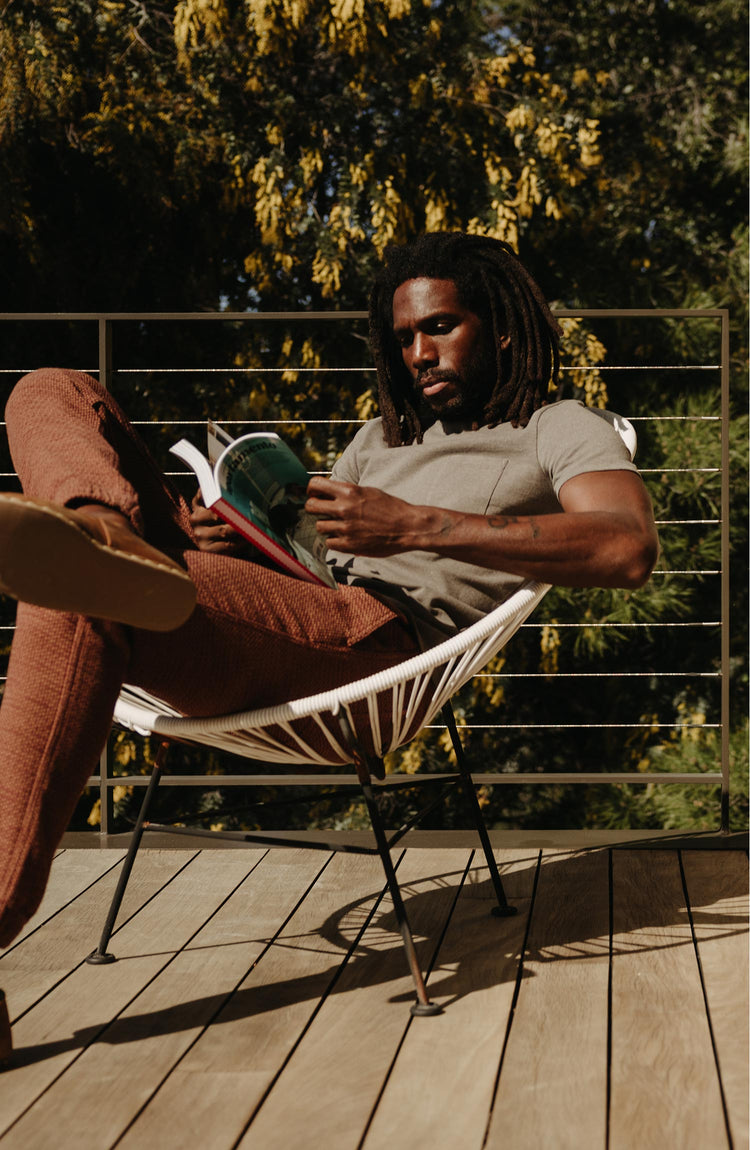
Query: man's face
point(445, 349)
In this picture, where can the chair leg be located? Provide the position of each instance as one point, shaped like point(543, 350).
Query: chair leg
point(422, 1006)
point(101, 954)
point(363, 763)
point(503, 907)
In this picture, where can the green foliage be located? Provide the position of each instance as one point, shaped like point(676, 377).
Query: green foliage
point(677, 807)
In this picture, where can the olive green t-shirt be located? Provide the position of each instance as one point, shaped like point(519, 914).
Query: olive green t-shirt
point(487, 471)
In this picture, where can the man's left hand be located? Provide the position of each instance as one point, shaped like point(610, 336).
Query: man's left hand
point(359, 520)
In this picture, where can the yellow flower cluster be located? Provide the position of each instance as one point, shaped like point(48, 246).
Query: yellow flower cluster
point(582, 353)
point(390, 217)
point(693, 721)
point(550, 137)
point(435, 214)
point(196, 20)
point(268, 200)
point(345, 10)
point(504, 226)
point(550, 647)
point(308, 356)
point(521, 118)
point(588, 136)
point(326, 271)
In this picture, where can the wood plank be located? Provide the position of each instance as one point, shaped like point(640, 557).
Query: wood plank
point(146, 1040)
point(72, 872)
point(51, 1036)
point(440, 1088)
point(41, 960)
point(553, 1082)
point(213, 1092)
point(664, 1081)
point(717, 884)
point(332, 1080)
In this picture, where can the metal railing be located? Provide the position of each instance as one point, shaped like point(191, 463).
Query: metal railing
point(109, 371)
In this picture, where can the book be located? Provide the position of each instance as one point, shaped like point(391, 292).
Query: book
point(258, 486)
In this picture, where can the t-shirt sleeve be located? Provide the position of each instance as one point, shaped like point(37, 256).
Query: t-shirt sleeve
point(573, 439)
point(345, 468)
point(348, 467)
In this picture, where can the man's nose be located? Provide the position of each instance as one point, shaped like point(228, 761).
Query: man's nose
point(424, 351)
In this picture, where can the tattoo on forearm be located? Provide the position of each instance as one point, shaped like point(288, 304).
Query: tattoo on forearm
point(446, 526)
point(501, 522)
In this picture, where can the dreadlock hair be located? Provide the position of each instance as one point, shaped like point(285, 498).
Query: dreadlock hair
point(493, 283)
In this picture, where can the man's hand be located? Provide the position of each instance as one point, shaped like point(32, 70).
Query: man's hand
point(213, 534)
point(360, 520)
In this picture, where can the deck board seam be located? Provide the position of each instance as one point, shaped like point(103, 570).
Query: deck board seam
point(704, 991)
point(516, 993)
point(316, 1010)
point(410, 1020)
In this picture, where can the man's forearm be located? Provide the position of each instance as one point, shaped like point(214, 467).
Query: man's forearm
point(604, 536)
point(580, 549)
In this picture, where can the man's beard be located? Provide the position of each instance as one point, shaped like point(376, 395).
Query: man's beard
point(467, 395)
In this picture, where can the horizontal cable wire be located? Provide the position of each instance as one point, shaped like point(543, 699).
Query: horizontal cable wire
point(560, 626)
point(259, 370)
point(694, 623)
point(599, 675)
point(578, 726)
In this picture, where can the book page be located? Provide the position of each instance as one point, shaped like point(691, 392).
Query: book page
point(260, 472)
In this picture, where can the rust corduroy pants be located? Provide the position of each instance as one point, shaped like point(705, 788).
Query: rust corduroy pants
point(256, 636)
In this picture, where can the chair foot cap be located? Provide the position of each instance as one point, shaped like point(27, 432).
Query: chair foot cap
point(425, 1008)
point(97, 959)
point(504, 911)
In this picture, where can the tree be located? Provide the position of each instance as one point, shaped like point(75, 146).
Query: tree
point(171, 155)
point(666, 81)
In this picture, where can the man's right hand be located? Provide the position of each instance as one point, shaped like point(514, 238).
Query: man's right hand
point(213, 534)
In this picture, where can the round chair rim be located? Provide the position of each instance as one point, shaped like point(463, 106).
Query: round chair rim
point(145, 716)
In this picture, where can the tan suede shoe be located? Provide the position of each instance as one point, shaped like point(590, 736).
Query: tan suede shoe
point(89, 562)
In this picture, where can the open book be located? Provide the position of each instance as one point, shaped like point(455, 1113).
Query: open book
point(257, 485)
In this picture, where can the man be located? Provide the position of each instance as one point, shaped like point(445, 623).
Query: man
point(465, 486)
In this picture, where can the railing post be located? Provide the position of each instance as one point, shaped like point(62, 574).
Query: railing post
point(105, 352)
point(105, 791)
point(725, 589)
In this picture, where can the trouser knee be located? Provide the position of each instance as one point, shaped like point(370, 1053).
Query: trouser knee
point(46, 383)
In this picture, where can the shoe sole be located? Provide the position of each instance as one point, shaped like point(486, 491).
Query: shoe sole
point(47, 560)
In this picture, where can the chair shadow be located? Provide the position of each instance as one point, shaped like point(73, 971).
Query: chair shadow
point(469, 959)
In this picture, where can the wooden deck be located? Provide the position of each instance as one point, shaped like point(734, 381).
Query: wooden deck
point(260, 1000)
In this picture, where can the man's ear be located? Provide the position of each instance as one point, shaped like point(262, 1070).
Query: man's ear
point(505, 343)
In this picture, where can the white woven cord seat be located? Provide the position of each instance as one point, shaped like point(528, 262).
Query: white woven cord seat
point(423, 681)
